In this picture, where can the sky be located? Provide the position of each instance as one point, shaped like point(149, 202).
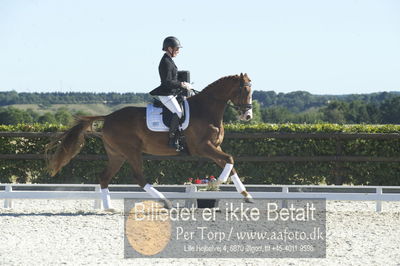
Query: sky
point(319, 46)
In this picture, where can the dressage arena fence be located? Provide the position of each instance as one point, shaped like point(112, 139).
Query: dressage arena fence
point(379, 194)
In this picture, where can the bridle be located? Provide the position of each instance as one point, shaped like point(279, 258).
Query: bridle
point(244, 107)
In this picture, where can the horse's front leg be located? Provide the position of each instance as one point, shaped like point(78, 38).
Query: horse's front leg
point(226, 162)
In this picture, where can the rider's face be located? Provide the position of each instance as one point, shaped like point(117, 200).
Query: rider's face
point(173, 51)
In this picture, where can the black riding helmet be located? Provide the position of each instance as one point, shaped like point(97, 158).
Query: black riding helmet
point(171, 41)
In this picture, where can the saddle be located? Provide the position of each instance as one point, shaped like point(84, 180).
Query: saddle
point(158, 117)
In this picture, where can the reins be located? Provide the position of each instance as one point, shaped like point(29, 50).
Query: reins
point(196, 91)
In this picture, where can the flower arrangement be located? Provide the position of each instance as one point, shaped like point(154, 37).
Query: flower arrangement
point(210, 181)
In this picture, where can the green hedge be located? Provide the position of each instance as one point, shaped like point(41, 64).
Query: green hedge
point(177, 172)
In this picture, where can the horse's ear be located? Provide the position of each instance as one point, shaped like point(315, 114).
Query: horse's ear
point(241, 75)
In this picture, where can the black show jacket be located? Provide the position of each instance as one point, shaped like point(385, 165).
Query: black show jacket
point(169, 77)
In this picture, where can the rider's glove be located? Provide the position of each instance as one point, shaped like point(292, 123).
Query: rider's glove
point(187, 86)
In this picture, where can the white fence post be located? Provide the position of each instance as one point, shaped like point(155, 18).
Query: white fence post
point(285, 190)
point(8, 202)
point(97, 202)
point(189, 202)
point(379, 202)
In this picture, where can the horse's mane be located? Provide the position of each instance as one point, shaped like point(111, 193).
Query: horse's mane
point(217, 82)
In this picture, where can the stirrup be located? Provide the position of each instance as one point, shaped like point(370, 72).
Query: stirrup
point(177, 144)
point(179, 147)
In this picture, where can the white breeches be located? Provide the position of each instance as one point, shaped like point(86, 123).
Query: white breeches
point(172, 104)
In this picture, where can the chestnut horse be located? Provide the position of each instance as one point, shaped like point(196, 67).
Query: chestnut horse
point(126, 136)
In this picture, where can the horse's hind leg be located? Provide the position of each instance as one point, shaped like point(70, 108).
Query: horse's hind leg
point(114, 163)
point(134, 158)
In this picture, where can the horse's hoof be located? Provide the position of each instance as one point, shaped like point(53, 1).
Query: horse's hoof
point(247, 197)
point(249, 200)
point(111, 210)
point(167, 204)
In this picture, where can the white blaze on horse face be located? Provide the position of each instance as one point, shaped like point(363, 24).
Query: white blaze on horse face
point(247, 115)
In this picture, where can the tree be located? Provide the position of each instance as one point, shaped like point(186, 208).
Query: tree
point(47, 118)
point(230, 115)
point(63, 116)
point(311, 116)
point(335, 112)
point(375, 115)
point(11, 116)
point(276, 114)
point(257, 117)
point(390, 110)
point(357, 112)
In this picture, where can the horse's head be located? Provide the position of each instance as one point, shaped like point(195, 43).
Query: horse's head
point(237, 89)
point(241, 97)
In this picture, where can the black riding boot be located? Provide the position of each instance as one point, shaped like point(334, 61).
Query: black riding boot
point(173, 131)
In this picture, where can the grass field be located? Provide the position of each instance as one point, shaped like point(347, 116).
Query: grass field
point(93, 109)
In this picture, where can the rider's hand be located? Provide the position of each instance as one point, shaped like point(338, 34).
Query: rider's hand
point(183, 85)
point(187, 85)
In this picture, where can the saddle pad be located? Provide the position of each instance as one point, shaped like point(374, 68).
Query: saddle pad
point(155, 122)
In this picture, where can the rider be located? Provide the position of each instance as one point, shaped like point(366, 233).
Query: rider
point(170, 86)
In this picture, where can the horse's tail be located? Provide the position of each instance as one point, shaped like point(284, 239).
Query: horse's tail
point(68, 144)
